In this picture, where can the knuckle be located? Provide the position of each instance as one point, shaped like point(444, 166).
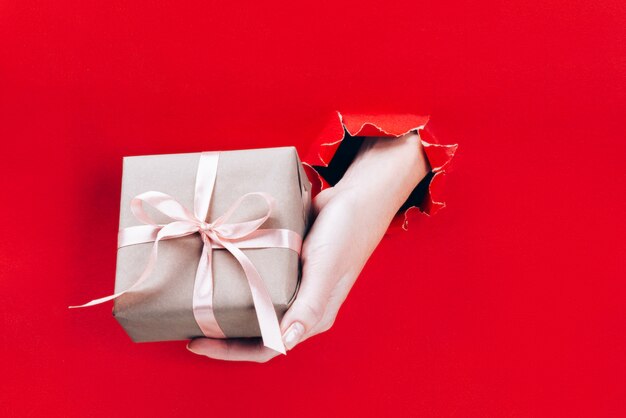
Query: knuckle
point(327, 324)
point(314, 311)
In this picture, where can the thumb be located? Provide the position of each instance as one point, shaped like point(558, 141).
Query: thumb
point(307, 311)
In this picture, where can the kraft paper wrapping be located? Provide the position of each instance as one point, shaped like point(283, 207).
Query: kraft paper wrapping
point(161, 308)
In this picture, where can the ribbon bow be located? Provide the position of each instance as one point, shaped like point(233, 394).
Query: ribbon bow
point(219, 234)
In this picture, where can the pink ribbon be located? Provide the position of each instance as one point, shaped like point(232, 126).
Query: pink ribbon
point(219, 234)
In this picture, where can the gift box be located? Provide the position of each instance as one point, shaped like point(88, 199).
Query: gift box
point(209, 244)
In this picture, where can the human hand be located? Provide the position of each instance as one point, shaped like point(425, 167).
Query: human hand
point(349, 220)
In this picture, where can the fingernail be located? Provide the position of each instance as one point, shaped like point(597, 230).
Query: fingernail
point(191, 349)
point(292, 336)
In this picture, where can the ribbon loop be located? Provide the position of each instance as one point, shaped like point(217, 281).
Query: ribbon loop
point(162, 202)
point(242, 229)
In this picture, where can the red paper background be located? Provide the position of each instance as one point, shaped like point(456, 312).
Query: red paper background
point(508, 303)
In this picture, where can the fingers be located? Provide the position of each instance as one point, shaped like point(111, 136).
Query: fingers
point(324, 263)
point(299, 323)
point(308, 310)
point(306, 315)
point(321, 200)
point(251, 349)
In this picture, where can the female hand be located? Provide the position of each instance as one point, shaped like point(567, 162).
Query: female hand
point(350, 219)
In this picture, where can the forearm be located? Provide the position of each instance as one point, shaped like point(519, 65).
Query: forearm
point(385, 171)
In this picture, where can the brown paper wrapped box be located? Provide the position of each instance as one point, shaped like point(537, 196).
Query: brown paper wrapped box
point(161, 308)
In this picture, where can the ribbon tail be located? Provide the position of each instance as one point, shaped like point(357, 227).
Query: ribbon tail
point(142, 278)
point(172, 230)
point(140, 234)
point(99, 301)
point(268, 321)
point(203, 295)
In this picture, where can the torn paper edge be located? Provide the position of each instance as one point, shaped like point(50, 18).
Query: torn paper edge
point(439, 156)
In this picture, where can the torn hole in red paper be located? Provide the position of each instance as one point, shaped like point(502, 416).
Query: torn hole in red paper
point(328, 159)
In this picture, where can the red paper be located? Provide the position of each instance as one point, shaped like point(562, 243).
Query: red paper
point(509, 303)
point(390, 126)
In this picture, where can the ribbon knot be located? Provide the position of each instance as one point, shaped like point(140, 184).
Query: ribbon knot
point(218, 234)
point(205, 227)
